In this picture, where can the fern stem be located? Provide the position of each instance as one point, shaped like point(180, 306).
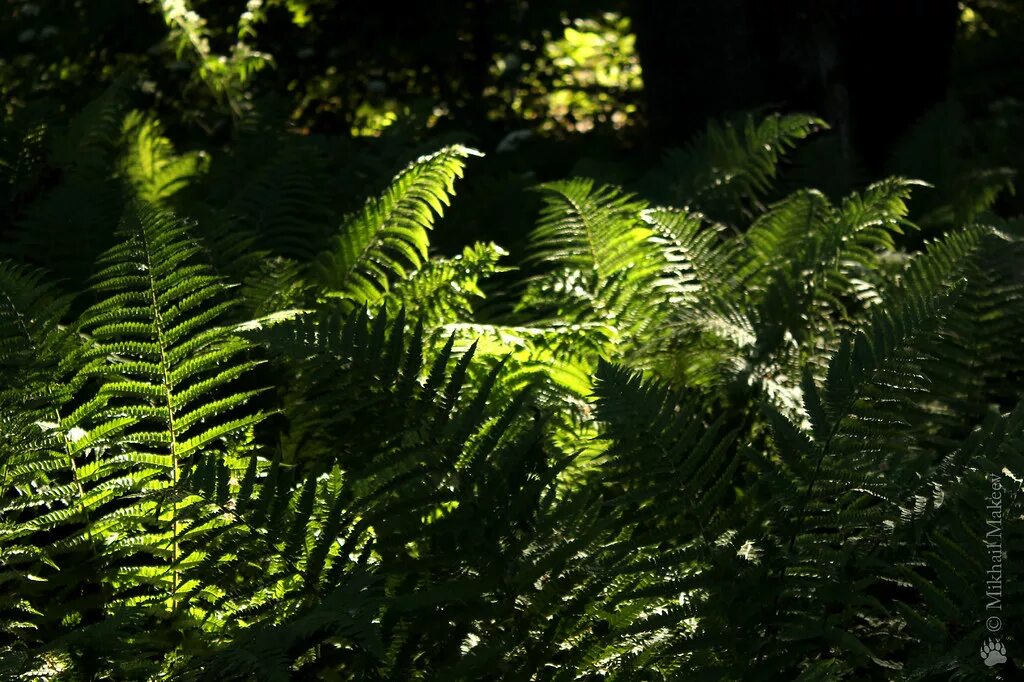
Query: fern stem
point(158, 327)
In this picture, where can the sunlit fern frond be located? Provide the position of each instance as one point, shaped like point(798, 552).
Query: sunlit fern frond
point(157, 325)
point(595, 259)
point(429, 455)
point(804, 237)
point(555, 363)
point(442, 291)
point(53, 440)
point(696, 255)
point(150, 164)
point(170, 370)
point(701, 326)
point(799, 276)
point(388, 239)
point(588, 228)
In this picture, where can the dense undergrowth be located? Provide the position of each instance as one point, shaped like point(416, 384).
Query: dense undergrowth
point(753, 434)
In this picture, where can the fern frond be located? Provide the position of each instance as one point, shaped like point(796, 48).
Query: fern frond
point(441, 292)
point(697, 258)
point(31, 312)
point(150, 163)
point(169, 370)
point(688, 461)
point(862, 411)
point(596, 257)
point(69, 225)
point(90, 142)
point(269, 194)
point(725, 170)
point(388, 239)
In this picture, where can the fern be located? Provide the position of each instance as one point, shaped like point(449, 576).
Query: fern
point(150, 164)
point(388, 238)
point(270, 193)
point(751, 437)
point(70, 225)
point(157, 325)
point(32, 340)
point(443, 290)
point(441, 460)
point(596, 260)
point(725, 170)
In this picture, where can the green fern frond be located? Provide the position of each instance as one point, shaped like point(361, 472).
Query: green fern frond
point(441, 459)
point(725, 170)
point(89, 144)
point(150, 164)
point(442, 291)
point(169, 371)
point(586, 228)
point(864, 407)
point(70, 224)
point(31, 313)
point(661, 450)
point(275, 284)
point(697, 258)
point(927, 291)
point(596, 259)
point(388, 239)
point(24, 137)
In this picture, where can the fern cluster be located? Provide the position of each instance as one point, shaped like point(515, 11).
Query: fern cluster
point(274, 437)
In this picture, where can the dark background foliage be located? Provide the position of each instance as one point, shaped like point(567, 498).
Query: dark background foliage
point(477, 71)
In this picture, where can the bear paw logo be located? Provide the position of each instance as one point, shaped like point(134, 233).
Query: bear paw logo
point(993, 652)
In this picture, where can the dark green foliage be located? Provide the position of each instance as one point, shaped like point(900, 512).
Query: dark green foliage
point(729, 168)
point(753, 436)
